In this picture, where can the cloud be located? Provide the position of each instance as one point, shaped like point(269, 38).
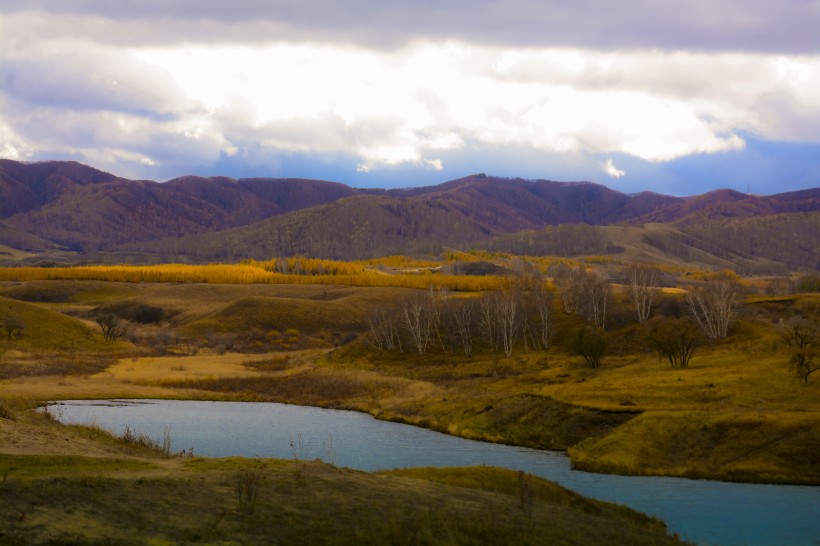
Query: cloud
point(703, 25)
point(610, 169)
point(403, 106)
point(172, 84)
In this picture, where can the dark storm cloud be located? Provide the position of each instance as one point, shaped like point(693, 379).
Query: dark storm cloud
point(737, 25)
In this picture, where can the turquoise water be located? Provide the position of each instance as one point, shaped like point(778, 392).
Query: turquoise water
point(702, 511)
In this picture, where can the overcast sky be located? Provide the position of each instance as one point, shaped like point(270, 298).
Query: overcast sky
point(677, 97)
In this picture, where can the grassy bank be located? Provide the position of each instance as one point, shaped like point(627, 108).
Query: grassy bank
point(110, 494)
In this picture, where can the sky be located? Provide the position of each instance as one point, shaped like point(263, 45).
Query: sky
point(675, 97)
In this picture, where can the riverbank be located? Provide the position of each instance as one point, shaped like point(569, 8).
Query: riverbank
point(66, 485)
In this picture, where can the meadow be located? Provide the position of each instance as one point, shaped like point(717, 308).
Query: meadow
point(301, 332)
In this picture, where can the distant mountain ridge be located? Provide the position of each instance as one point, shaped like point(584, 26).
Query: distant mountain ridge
point(74, 206)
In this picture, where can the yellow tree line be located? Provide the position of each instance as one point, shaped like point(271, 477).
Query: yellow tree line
point(251, 273)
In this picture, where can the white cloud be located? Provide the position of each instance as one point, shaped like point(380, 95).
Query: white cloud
point(394, 107)
point(93, 97)
point(610, 169)
point(11, 145)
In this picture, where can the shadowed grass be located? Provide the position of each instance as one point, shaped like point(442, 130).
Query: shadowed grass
point(195, 501)
point(32, 466)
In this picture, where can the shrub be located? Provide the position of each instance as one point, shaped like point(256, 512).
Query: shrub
point(675, 339)
point(590, 343)
point(112, 327)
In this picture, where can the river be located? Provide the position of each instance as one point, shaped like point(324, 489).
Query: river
point(703, 511)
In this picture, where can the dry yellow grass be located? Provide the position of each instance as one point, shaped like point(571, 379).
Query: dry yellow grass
point(138, 378)
point(156, 370)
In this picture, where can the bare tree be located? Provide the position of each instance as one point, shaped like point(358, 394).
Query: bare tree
point(384, 329)
point(112, 327)
point(487, 306)
point(419, 320)
point(643, 289)
point(567, 279)
point(508, 310)
point(584, 293)
point(714, 306)
point(675, 339)
point(543, 299)
point(597, 296)
point(801, 336)
point(440, 302)
point(459, 315)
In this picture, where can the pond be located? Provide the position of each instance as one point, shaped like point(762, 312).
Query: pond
point(702, 511)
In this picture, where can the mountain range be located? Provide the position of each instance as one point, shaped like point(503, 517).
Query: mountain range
point(76, 212)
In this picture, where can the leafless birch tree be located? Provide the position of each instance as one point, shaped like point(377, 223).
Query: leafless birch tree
point(543, 299)
point(460, 314)
point(584, 293)
point(384, 329)
point(508, 310)
point(714, 306)
point(420, 316)
point(487, 318)
point(643, 289)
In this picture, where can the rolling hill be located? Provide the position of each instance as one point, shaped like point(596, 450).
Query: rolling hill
point(97, 215)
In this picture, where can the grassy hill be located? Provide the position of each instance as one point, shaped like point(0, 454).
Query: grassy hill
point(44, 329)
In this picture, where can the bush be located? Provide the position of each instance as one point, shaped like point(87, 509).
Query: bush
point(590, 343)
point(676, 340)
point(112, 327)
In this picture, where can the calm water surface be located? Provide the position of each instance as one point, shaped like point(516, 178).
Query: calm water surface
point(702, 511)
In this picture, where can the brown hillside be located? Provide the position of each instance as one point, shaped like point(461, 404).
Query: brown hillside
point(85, 209)
point(69, 205)
point(26, 186)
point(509, 204)
point(355, 227)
